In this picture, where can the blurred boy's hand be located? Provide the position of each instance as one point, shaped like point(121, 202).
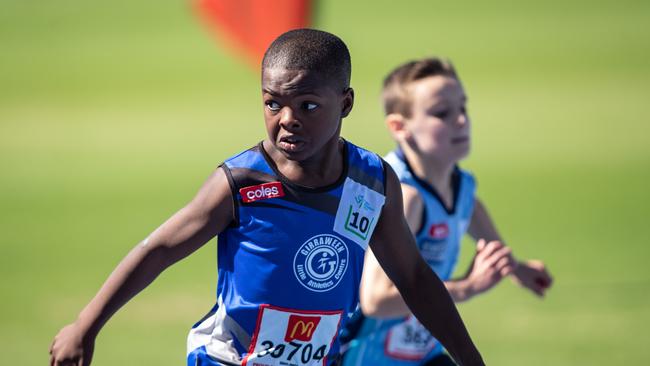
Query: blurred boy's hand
point(493, 261)
point(533, 275)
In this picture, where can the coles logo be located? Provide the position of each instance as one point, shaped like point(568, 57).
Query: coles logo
point(261, 192)
point(301, 327)
point(320, 263)
point(439, 231)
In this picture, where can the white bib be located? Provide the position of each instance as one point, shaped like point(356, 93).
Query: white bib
point(286, 337)
point(409, 340)
point(358, 212)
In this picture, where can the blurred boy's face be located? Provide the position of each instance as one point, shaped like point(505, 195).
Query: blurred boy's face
point(302, 111)
point(439, 126)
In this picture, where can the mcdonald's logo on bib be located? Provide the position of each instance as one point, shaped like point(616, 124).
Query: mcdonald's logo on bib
point(301, 328)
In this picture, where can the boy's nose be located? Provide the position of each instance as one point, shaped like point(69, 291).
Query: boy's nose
point(288, 120)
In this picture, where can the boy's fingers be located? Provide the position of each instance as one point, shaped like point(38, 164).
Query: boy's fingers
point(539, 266)
point(504, 266)
point(543, 282)
point(480, 245)
point(498, 255)
point(506, 269)
point(543, 278)
point(492, 247)
point(540, 285)
point(488, 250)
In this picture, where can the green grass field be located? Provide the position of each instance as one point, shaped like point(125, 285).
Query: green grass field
point(113, 113)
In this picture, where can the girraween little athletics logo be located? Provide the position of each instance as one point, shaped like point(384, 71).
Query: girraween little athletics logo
point(320, 263)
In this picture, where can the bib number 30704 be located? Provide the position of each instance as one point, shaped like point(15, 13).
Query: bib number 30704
point(286, 337)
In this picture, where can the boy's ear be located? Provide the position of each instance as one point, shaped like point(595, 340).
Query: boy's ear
point(348, 102)
point(396, 124)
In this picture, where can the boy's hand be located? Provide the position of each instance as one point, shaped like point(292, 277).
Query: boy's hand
point(493, 261)
point(533, 275)
point(70, 347)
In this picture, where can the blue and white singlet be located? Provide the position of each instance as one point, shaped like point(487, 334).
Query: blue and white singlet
point(404, 341)
point(290, 265)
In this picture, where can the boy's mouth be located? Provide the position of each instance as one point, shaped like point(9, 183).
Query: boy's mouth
point(291, 143)
point(460, 140)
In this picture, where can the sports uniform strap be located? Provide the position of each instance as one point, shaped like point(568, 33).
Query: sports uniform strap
point(367, 168)
point(250, 168)
point(407, 176)
point(245, 169)
point(467, 184)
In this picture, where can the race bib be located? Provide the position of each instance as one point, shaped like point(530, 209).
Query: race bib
point(286, 337)
point(358, 212)
point(409, 340)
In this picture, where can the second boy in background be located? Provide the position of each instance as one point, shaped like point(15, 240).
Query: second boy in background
point(425, 107)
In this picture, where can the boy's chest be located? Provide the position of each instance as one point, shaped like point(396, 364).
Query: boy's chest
point(288, 218)
point(439, 240)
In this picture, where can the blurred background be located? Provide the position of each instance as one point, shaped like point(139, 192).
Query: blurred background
point(112, 114)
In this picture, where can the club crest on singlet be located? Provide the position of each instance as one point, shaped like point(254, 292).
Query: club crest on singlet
point(321, 262)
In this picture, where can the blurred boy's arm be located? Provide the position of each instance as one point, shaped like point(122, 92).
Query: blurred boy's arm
point(481, 225)
point(205, 216)
point(378, 295)
point(380, 298)
point(394, 247)
point(531, 274)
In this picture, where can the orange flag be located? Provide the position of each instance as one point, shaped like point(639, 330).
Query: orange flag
point(249, 26)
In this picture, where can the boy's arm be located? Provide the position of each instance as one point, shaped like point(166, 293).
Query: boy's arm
point(205, 216)
point(531, 274)
point(424, 293)
point(379, 296)
point(481, 225)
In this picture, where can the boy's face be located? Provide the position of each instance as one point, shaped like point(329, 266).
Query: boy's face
point(302, 111)
point(439, 126)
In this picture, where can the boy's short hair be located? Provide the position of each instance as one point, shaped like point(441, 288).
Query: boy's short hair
point(395, 95)
point(313, 50)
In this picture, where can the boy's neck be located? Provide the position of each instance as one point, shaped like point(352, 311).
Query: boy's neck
point(433, 171)
point(320, 170)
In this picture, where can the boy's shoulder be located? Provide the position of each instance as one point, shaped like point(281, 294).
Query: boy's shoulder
point(396, 160)
point(252, 153)
point(356, 152)
point(365, 166)
point(462, 178)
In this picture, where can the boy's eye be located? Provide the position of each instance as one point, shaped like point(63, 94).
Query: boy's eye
point(272, 106)
point(441, 114)
point(309, 106)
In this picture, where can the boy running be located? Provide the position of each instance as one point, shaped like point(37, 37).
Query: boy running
point(294, 216)
point(424, 103)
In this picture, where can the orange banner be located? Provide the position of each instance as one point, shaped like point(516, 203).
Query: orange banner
point(249, 26)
